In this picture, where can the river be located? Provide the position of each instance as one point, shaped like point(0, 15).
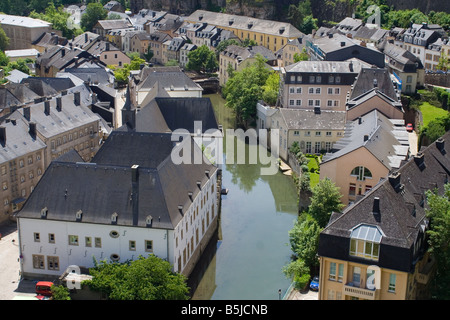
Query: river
point(245, 260)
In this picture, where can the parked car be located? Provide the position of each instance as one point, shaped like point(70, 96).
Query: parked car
point(44, 288)
point(409, 127)
point(314, 285)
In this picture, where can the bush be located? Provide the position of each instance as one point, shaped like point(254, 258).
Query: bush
point(300, 282)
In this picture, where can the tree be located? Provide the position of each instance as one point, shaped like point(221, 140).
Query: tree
point(303, 56)
point(304, 239)
point(299, 272)
point(149, 55)
point(57, 17)
point(243, 90)
point(94, 12)
point(202, 59)
point(148, 278)
point(4, 40)
point(4, 60)
point(439, 239)
point(271, 89)
point(60, 293)
point(324, 200)
point(301, 16)
point(122, 74)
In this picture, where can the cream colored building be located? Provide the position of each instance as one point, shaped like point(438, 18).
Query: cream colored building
point(271, 34)
point(21, 164)
point(377, 249)
point(314, 131)
point(372, 146)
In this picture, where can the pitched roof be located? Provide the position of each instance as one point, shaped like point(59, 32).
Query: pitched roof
point(387, 141)
point(305, 119)
point(277, 28)
point(400, 215)
point(102, 188)
point(369, 78)
point(22, 21)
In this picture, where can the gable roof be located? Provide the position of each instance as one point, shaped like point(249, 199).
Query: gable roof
point(386, 141)
point(155, 188)
point(399, 211)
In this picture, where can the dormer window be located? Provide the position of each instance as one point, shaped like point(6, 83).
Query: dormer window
point(365, 242)
point(78, 215)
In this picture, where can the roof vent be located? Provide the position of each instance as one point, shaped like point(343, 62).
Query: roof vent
point(114, 218)
point(281, 30)
point(231, 21)
point(44, 213)
point(78, 215)
point(149, 221)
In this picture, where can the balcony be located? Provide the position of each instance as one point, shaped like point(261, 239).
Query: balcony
point(423, 275)
point(357, 292)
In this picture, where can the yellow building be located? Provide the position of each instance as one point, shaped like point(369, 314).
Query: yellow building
point(271, 34)
point(376, 249)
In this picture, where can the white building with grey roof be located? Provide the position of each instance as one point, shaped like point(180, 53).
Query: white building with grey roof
point(130, 201)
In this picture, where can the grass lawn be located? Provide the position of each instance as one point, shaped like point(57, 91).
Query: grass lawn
point(313, 177)
point(430, 112)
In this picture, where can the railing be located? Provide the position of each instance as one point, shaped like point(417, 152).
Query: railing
point(359, 292)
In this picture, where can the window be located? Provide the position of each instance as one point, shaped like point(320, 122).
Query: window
point(291, 102)
point(329, 103)
point(318, 90)
point(356, 278)
point(365, 242)
point(330, 90)
point(3, 170)
point(392, 279)
point(37, 237)
point(298, 102)
point(51, 238)
point(352, 189)
point(73, 240)
point(361, 173)
point(341, 272)
point(317, 147)
point(148, 245)
point(332, 275)
point(318, 79)
point(338, 79)
point(318, 133)
point(308, 147)
point(53, 263)
point(311, 90)
point(88, 241)
point(299, 79)
point(312, 79)
point(291, 90)
point(296, 133)
point(310, 103)
point(328, 133)
point(299, 90)
point(337, 91)
point(38, 261)
point(98, 242)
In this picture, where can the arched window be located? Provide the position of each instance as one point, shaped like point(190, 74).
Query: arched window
point(361, 173)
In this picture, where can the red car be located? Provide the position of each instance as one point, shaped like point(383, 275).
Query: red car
point(409, 127)
point(43, 288)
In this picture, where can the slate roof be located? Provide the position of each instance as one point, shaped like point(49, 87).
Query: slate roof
point(369, 78)
point(27, 22)
point(19, 141)
point(305, 119)
point(113, 24)
point(400, 58)
point(164, 114)
point(70, 117)
point(242, 22)
point(385, 140)
point(401, 214)
point(169, 80)
point(48, 39)
point(100, 189)
point(13, 94)
point(325, 67)
point(47, 86)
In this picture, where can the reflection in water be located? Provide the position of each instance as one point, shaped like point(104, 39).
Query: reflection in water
point(245, 261)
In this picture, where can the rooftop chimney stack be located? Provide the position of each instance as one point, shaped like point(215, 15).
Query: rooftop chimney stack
point(3, 135)
point(76, 98)
point(58, 104)
point(27, 113)
point(440, 144)
point(376, 205)
point(47, 107)
point(32, 129)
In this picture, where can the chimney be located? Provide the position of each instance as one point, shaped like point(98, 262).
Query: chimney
point(375, 83)
point(419, 160)
point(135, 193)
point(330, 35)
point(394, 180)
point(27, 113)
point(47, 107)
point(376, 205)
point(440, 144)
point(366, 137)
point(3, 135)
point(63, 52)
point(342, 43)
point(32, 130)
point(58, 104)
point(359, 120)
point(76, 98)
point(86, 38)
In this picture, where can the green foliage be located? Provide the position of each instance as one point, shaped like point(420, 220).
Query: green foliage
point(60, 293)
point(271, 89)
point(325, 199)
point(172, 63)
point(4, 40)
point(94, 12)
point(301, 17)
point(438, 213)
point(19, 64)
point(304, 239)
point(303, 56)
point(57, 17)
point(300, 273)
point(149, 55)
point(4, 60)
point(148, 278)
point(202, 59)
point(122, 74)
point(243, 90)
